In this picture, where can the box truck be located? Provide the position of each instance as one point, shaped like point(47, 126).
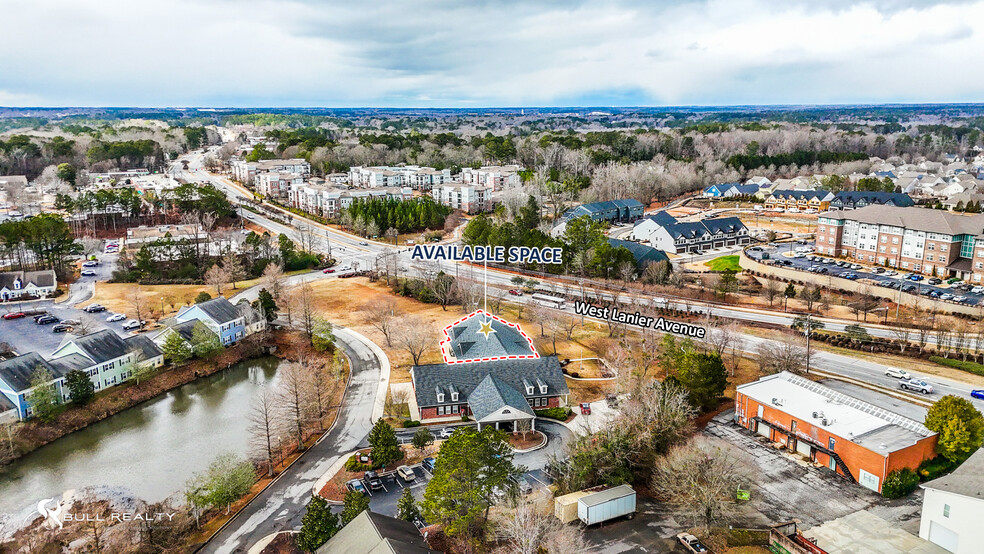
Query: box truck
point(607, 504)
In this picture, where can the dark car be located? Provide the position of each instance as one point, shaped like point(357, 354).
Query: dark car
point(372, 479)
point(934, 281)
point(978, 394)
point(419, 522)
point(93, 308)
point(356, 485)
point(908, 288)
point(61, 328)
point(47, 320)
point(428, 464)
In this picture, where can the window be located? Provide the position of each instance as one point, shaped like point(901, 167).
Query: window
point(454, 397)
point(942, 248)
point(881, 249)
point(895, 240)
point(884, 238)
point(929, 257)
point(946, 510)
point(529, 389)
point(931, 246)
point(440, 397)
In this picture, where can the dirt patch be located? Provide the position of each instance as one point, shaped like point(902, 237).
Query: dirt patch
point(520, 441)
point(282, 544)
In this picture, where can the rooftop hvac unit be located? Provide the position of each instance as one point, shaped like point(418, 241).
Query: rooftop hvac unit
point(818, 415)
point(827, 421)
point(777, 401)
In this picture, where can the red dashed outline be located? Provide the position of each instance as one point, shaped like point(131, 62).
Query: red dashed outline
point(447, 341)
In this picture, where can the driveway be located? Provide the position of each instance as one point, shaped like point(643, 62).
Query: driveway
point(282, 504)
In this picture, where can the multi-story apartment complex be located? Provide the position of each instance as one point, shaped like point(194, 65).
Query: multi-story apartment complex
point(245, 172)
point(913, 239)
point(470, 199)
point(414, 176)
point(328, 201)
point(277, 184)
point(494, 176)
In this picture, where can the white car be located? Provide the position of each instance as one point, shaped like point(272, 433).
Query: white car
point(445, 433)
point(407, 473)
point(977, 290)
point(132, 324)
point(116, 317)
point(897, 373)
point(88, 273)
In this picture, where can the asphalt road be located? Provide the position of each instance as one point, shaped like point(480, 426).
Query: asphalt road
point(281, 505)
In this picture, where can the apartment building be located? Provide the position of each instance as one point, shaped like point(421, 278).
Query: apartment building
point(245, 172)
point(493, 176)
point(800, 199)
point(413, 176)
point(849, 436)
point(328, 201)
point(277, 184)
point(912, 239)
point(665, 233)
point(472, 199)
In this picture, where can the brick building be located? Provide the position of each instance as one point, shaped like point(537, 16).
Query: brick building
point(851, 437)
point(913, 239)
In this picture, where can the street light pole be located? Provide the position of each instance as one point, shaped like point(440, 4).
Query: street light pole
point(809, 331)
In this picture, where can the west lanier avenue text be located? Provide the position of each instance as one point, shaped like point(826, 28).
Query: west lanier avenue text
point(658, 323)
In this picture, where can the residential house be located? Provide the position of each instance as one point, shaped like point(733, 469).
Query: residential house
point(612, 211)
point(184, 329)
point(18, 285)
point(952, 507)
point(254, 321)
point(221, 316)
point(372, 533)
point(110, 359)
point(802, 200)
point(644, 255)
point(851, 437)
point(730, 190)
point(145, 234)
point(15, 381)
point(696, 236)
point(472, 199)
point(850, 200)
point(758, 180)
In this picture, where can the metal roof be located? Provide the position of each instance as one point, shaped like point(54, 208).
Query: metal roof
point(606, 495)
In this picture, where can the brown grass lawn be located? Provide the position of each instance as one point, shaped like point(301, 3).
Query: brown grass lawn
point(342, 301)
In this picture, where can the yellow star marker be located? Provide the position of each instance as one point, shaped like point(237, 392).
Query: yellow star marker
point(486, 329)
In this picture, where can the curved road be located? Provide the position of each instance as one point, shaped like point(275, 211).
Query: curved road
point(281, 505)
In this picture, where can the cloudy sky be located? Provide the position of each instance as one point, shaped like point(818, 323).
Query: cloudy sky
point(472, 53)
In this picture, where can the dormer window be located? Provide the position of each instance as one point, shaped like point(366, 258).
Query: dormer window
point(529, 387)
point(542, 385)
point(454, 393)
point(440, 397)
point(17, 284)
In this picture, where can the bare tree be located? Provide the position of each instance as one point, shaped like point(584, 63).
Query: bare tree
point(233, 268)
point(90, 246)
point(292, 400)
point(771, 290)
point(810, 295)
point(701, 478)
point(902, 329)
point(323, 383)
point(538, 314)
point(305, 302)
point(531, 526)
point(273, 280)
point(866, 302)
point(137, 301)
point(626, 271)
point(381, 314)
point(415, 337)
point(782, 354)
point(265, 423)
point(569, 324)
point(216, 276)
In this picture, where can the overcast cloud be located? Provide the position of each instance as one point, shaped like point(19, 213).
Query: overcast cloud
point(488, 53)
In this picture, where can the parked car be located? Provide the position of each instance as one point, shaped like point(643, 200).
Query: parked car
point(356, 485)
point(917, 385)
point(61, 328)
point(522, 484)
point(93, 308)
point(428, 464)
point(133, 324)
point(960, 298)
point(72, 321)
point(897, 373)
point(88, 273)
point(977, 290)
point(445, 433)
point(372, 479)
point(328, 270)
point(407, 473)
point(419, 523)
point(14, 315)
point(946, 296)
point(691, 543)
point(90, 263)
point(116, 317)
point(917, 277)
point(585, 408)
point(47, 320)
point(934, 281)
point(978, 394)
point(879, 270)
point(363, 243)
point(515, 292)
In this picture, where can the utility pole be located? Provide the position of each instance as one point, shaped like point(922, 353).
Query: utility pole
point(809, 331)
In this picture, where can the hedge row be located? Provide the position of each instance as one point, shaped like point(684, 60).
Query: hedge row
point(970, 367)
point(560, 414)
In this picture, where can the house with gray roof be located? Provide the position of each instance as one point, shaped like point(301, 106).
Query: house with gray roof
point(221, 316)
point(19, 285)
point(111, 359)
point(15, 380)
point(692, 236)
point(499, 392)
point(644, 255)
point(184, 329)
point(482, 337)
point(952, 507)
point(372, 533)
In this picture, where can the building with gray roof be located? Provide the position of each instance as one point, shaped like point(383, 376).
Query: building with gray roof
point(32, 284)
point(480, 336)
point(15, 379)
point(372, 533)
point(952, 508)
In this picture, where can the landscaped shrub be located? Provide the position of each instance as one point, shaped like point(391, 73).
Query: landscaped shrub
point(354, 466)
point(931, 469)
point(410, 423)
point(970, 367)
point(900, 483)
point(560, 414)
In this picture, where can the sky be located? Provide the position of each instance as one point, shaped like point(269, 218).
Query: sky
point(488, 53)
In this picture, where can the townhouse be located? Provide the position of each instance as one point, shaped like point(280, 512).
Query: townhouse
point(850, 437)
point(495, 177)
point(801, 200)
point(612, 211)
point(245, 172)
point(15, 382)
point(730, 190)
point(919, 240)
point(220, 316)
point(472, 199)
point(851, 200)
point(21, 285)
point(110, 359)
point(668, 235)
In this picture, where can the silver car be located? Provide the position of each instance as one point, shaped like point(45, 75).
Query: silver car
point(917, 385)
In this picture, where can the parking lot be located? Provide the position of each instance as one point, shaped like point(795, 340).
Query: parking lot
point(785, 254)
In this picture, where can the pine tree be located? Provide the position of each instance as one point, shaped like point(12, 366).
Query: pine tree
point(318, 525)
point(44, 396)
point(355, 504)
point(80, 387)
point(406, 507)
point(175, 349)
point(385, 447)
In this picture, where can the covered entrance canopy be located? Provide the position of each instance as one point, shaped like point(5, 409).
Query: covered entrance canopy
point(493, 402)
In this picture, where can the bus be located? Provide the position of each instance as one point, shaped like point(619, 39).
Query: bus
point(547, 300)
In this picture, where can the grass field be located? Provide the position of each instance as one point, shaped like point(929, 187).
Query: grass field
point(724, 263)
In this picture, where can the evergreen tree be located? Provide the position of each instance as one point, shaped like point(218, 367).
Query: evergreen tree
point(385, 447)
point(202, 297)
point(355, 504)
point(80, 387)
point(406, 507)
point(318, 524)
point(44, 395)
point(266, 305)
point(175, 349)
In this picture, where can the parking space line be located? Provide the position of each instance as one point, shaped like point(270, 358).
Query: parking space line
point(530, 475)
